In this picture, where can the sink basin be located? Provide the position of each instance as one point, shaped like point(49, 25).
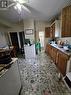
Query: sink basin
point(60, 46)
point(66, 48)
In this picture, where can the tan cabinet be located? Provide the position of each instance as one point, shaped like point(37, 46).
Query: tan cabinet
point(66, 22)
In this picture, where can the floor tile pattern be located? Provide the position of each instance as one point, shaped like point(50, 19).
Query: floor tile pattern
point(39, 76)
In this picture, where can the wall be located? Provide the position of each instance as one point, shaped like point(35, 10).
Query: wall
point(22, 26)
point(66, 38)
point(5, 23)
point(16, 28)
point(3, 40)
point(19, 27)
point(29, 24)
point(37, 27)
point(40, 26)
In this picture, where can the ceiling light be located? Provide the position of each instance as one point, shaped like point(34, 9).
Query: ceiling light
point(19, 6)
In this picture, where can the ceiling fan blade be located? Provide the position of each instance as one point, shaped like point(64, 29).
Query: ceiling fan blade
point(11, 5)
point(25, 8)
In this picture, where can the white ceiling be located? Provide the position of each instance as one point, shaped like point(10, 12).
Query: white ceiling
point(40, 10)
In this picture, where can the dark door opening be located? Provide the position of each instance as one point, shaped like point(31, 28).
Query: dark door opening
point(22, 38)
point(14, 39)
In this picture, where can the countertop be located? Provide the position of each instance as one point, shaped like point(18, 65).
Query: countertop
point(62, 49)
point(5, 67)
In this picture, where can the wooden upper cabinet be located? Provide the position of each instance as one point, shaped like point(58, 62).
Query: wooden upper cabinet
point(52, 32)
point(66, 21)
point(55, 29)
point(47, 32)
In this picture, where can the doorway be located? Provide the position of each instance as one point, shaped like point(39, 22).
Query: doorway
point(14, 40)
point(22, 39)
point(41, 37)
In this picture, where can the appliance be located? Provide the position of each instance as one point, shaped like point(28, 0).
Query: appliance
point(67, 79)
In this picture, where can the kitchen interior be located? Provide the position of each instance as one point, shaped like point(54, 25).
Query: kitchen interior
point(19, 31)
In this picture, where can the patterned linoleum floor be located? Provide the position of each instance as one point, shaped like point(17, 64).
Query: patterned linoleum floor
point(39, 76)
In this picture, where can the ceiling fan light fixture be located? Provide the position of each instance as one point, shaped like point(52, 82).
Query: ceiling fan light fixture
point(18, 7)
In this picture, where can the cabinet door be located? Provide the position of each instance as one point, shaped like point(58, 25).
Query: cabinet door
point(52, 32)
point(66, 22)
point(47, 32)
point(54, 54)
point(62, 62)
point(49, 50)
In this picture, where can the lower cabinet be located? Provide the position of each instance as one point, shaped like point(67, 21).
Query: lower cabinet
point(62, 62)
point(49, 50)
point(59, 58)
point(54, 54)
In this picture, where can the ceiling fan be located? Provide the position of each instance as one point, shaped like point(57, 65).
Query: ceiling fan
point(17, 4)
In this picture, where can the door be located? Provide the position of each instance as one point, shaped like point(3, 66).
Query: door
point(62, 62)
point(41, 37)
point(14, 39)
point(22, 39)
